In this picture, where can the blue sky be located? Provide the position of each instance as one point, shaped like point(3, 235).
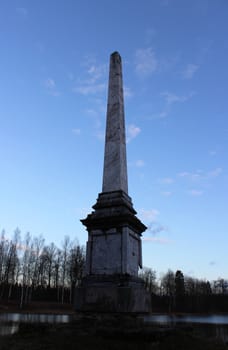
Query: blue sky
point(53, 91)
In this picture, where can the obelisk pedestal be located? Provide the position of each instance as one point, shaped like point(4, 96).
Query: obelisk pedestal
point(113, 251)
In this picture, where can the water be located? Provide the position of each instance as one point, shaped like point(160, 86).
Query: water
point(175, 319)
point(9, 322)
point(210, 326)
point(33, 318)
point(215, 326)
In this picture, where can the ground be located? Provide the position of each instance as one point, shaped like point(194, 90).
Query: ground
point(40, 337)
point(93, 332)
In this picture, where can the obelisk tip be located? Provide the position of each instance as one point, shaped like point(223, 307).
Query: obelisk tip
point(115, 54)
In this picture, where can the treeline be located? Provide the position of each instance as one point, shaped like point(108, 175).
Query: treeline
point(31, 270)
point(174, 292)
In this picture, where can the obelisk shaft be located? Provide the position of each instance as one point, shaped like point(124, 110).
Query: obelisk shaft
point(115, 162)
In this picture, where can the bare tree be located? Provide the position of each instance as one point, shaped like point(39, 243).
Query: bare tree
point(66, 246)
point(149, 276)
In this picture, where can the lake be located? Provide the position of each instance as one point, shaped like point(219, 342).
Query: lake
point(210, 326)
point(9, 322)
point(215, 326)
point(175, 319)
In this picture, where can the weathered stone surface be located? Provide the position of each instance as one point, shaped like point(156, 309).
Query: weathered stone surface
point(115, 164)
point(114, 243)
point(113, 251)
point(116, 293)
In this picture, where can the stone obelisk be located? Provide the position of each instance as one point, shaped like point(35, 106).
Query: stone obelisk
point(115, 162)
point(113, 251)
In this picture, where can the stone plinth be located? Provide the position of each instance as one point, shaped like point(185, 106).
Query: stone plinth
point(113, 256)
point(112, 293)
point(114, 242)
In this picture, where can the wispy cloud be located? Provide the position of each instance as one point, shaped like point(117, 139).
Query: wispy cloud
point(95, 72)
point(212, 153)
point(93, 81)
point(97, 113)
point(89, 89)
point(214, 173)
point(51, 87)
point(158, 240)
point(22, 11)
point(140, 163)
point(127, 92)
point(155, 228)
point(145, 61)
point(132, 131)
point(171, 98)
point(76, 131)
point(100, 134)
point(166, 181)
point(50, 83)
point(167, 193)
point(200, 175)
point(148, 214)
point(195, 193)
point(190, 70)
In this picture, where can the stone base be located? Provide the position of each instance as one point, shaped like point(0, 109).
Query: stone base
point(112, 293)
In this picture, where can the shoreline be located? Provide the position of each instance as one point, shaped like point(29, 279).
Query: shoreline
point(54, 308)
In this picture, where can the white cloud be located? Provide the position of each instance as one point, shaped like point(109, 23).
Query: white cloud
point(163, 114)
point(195, 193)
point(167, 193)
point(51, 87)
point(200, 175)
point(95, 72)
point(127, 92)
point(166, 181)
point(100, 134)
point(22, 11)
point(173, 98)
point(212, 153)
point(190, 70)
point(156, 240)
point(89, 89)
point(50, 83)
point(145, 61)
point(155, 228)
point(132, 132)
point(214, 173)
point(140, 163)
point(148, 215)
point(93, 81)
point(76, 131)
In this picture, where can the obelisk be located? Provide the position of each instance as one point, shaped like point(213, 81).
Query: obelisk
point(113, 250)
point(115, 162)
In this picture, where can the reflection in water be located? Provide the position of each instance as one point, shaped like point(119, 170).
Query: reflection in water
point(9, 329)
point(211, 326)
point(173, 319)
point(34, 318)
point(9, 323)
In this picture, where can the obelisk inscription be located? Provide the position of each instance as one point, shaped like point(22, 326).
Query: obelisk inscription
point(115, 163)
